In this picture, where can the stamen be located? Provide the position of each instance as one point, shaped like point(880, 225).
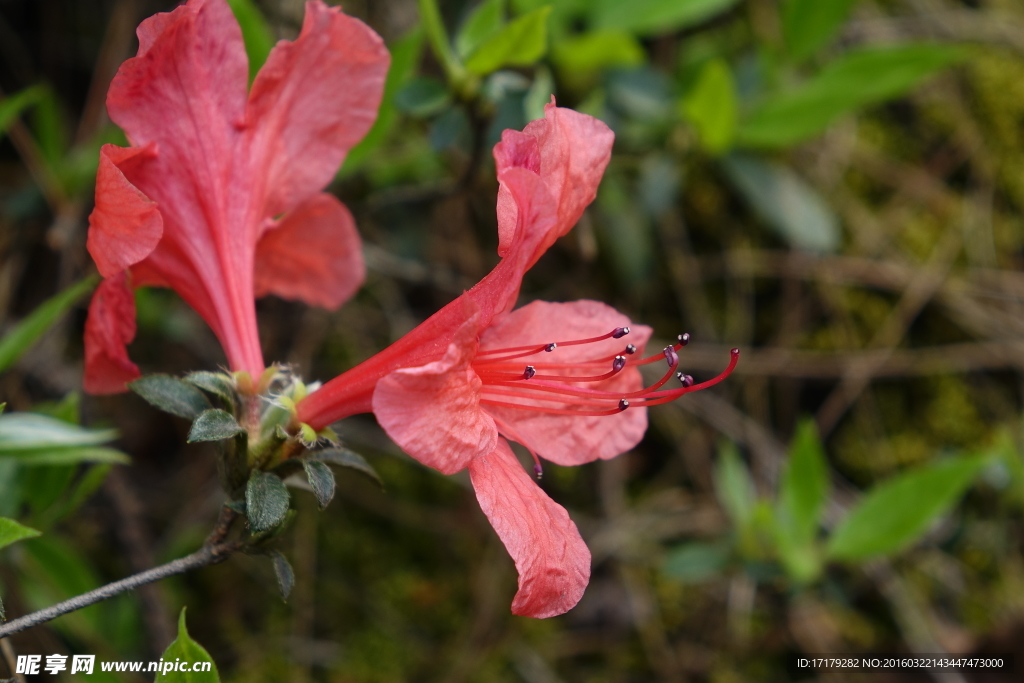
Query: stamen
point(620, 332)
point(529, 372)
point(623, 404)
point(630, 349)
point(619, 363)
point(671, 356)
point(551, 347)
point(684, 339)
point(538, 471)
point(687, 380)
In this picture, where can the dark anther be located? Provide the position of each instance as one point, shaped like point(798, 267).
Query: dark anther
point(630, 349)
point(623, 404)
point(684, 338)
point(551, 347)
point(529, 372)
point(538, 471)
point(735, 352)
point(618, 363)
point(620, 332)
point(686, 380)
point(671, 356)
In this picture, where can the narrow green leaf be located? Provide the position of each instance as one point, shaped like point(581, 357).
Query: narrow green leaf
point(809, 24)
point(483, 22)
point(63, 573)
point(804, 486)
point(656, 17)
point(256, 33)
point(284, 573)
point(266, 501)
point(171, 395)
point(186, 650)
point(422, 97)
point(343, 457)
point(785, 202)
point(321, 480)
point(69, 456)
point(24, 335)
point(851, 82)
point(898, 511)
point(30, 433)
point(734, 486)
point(214, 425)
point(12, 106)
point(696, 562)
point(712, 107)
point(215, 383)
point(11, 532)
point(520, 43)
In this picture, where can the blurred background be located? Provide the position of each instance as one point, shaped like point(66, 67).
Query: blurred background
point(835, 186)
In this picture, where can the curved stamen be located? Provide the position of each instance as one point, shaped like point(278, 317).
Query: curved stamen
point(614, 334)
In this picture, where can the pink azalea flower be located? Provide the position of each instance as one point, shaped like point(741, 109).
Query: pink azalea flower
point(559, 378)
point(220, 195)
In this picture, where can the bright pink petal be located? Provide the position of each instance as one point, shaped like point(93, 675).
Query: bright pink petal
point(126, 225)
point(570, 439)
point(433, 411)
point(313, 254)
point(108, 330)
point(569, 151)
point(312, 101)
point(552, 560)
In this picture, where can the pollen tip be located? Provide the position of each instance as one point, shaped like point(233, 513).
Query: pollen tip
point(551, 347)
point(630, 349)
point(671, 356)
point(735, 352)
point(623, 404)
point(620, 332)
point(529, 372)
point(685, 380)
point(618, 363)
point(684, 338)
point(538, 471)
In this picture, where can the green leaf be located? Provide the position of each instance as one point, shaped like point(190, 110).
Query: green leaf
point(184, 649)
point(171, 395)
point(521, 43)
point(585, 54)
point(12, 532)
point(70, 456)
point(898, 511)
point(854, 81)
point(28, 331)
point(809, 24)
point(734, 486)
point(27, 434)
point(804, 487)
point(539, 94)
point(483, 22)
point(696, 562)
point(215, 383)
point(711, 106)
point(656, 17)
point(786, 203)
point(284, 573)
point(266, 501)
point(256, 33)
point(422, 97)
point(405, 57)
point(321, 480)
point(214, 425)
point(64, 573)
point(343, 457)
point(12, 106)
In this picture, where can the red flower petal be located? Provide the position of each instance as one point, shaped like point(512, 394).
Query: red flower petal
point(108, 329)
point(433, 411)
point(313, 254)
point(570, 439)
point(312, 101)
point(569, 151)
point(126, 225)
point(550, 555)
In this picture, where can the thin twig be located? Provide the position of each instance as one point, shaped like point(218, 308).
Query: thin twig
point(11, 658)
point(207, 555)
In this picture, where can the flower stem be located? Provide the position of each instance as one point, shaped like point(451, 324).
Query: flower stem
point(214, 551)
point(461, 81)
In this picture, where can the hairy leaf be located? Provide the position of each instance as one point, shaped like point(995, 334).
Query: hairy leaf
point(171, 395)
